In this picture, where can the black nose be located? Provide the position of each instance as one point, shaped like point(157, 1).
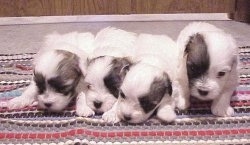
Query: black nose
point(48, 105)
point(202, 92)
point(127, 117)
point(97, 104)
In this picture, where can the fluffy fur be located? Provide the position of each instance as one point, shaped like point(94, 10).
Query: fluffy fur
point(58, 68)
point(212, 64)
point(106, 71)
point(151, 84)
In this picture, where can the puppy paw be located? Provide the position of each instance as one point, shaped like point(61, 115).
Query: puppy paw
point(223, 112)
point(181, 96)
point(166, 114)
point(84, 111)
point(111, 117)
point(182, 103)
point(19, 102)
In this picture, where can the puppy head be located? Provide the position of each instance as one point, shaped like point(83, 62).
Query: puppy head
point(141, 93)
point(211, 62)
point(104, 77)
point(56, 75)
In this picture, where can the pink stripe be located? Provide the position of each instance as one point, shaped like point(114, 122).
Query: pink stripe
point(92, 133)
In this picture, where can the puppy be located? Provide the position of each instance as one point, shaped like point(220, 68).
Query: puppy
point(212, 64)
point(150, 84)
point(58, 68)
point(106, 71)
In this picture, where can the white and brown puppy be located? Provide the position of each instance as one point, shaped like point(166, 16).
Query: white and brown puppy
point(150, 84)
point(58, 68)
point(212, 64)
point(106, 71)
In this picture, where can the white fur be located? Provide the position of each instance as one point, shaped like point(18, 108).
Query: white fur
point(46, 62)
point(81, 108)
point(115, 42)
point(155, 54)
point(111, 114)
point(26, 99)
point(191, 29)
point(94, 78)
point(168, 59)
point(109, 42)
point(77, 43)
point(137, 83)
point(223, 53)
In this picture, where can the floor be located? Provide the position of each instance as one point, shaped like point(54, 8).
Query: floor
point(29, 37)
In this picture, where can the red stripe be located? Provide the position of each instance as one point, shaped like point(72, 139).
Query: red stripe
point(111, 134)
point(25, 135)
point(7, 88)
point(119, 134)
point(48, 136)
point(123, 134)
point(202, 104)
point(135, 133)
point(80, 131)
point(242, 92)
point(18, 136)
point(23, 67)
point(218, 132)
point(28, 108)
point(33, 135)
point(41, 136)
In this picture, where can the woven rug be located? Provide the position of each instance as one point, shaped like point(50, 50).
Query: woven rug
point(194, 126)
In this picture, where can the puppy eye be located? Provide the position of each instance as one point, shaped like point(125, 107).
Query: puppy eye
point(122, 95)
point(89, 86)
point(221, 74)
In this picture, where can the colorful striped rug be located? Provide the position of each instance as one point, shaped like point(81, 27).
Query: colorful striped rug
point(194, 126)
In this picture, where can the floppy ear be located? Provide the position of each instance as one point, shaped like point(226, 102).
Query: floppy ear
point(121, 66)
point(159, 88)
point(198, 60)
point(71, 63)
point(116, 75)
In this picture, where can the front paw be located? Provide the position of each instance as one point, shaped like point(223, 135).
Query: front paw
point(166, 114)
point(84, 111)
point(222, 111)
point(182, 103)
point(19, 102)
point(111, 117)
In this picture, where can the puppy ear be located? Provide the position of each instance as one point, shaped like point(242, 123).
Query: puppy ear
point(198, 60)
point(116, 75)
point(159, 88)
point(122, 65)
point(71, 66)
point(196, 45)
